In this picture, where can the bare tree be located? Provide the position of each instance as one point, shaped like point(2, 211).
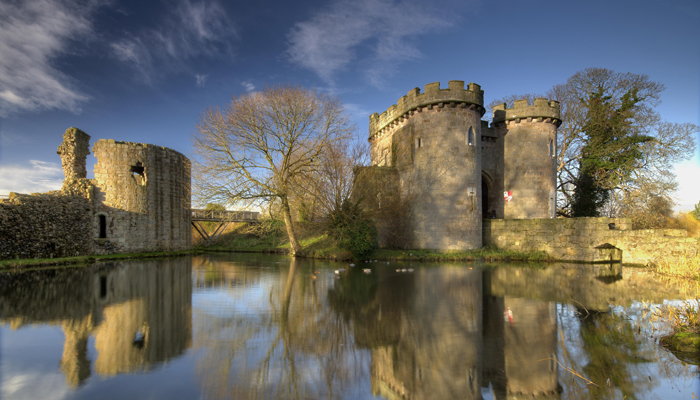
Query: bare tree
point(258, 148)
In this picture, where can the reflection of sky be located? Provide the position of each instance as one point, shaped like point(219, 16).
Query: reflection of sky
point(24, 374)
point(670, 379)
point(221, 315)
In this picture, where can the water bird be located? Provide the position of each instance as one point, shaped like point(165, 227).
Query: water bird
point(410, 270)
point(352, 265)
point(339, 270)
point(367, 271)
point(403, 270)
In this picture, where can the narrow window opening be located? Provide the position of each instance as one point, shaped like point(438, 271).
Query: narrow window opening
point(551, 147)
point(137, 172)
point(419, 143)
point(103, 287)
point(470, 136)
point(103, 227)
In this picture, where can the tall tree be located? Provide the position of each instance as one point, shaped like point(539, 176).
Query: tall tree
point(258, 148)
point(611, 151)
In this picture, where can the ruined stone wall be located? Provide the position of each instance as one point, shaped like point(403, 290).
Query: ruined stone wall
point(433, 141)
point(45, 225)
point(73, 151)
point(529, 134)
point(144, 198)
point(575, 239)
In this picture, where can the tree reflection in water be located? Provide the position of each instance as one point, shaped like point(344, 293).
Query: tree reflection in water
point(610, 354)
point(297, 347)
point(261, 327)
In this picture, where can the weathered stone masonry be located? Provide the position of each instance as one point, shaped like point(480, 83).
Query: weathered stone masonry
point(453, 168)
point(438, 169)
point(143, 193)
point(138, 201)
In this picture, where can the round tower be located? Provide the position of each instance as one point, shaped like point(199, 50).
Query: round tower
point(529, 163)
point(433, 141)
point(143, 203)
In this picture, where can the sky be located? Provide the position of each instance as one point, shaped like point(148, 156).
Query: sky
point(144, 71)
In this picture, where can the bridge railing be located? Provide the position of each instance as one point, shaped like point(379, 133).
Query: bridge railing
point(211, 215)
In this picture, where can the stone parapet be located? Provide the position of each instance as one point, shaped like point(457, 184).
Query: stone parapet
point(542, 110)
point(580, 239)
point(454, 96)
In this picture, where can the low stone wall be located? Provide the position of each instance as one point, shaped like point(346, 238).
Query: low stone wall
point(576, 239)
point(45, 225)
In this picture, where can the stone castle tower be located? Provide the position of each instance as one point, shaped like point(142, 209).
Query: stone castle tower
point(447, 169)
point(139, 199)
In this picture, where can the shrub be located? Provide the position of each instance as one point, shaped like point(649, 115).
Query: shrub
point(353, 229)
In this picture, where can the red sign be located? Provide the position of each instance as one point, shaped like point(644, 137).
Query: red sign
point(508, 196)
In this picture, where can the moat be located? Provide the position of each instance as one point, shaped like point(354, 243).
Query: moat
point(253, 326)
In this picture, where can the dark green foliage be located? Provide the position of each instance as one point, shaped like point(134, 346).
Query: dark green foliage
point(696, 213)
point(611, 152)
point(588, 196)
point(353, 229)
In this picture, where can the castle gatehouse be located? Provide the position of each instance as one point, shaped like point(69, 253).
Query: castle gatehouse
point(438, 168)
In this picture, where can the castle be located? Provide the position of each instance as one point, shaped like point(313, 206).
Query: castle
point(446, 169)
point(141, 193)
point(139, 201)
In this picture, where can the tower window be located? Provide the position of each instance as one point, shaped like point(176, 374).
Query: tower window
point(137, 172)
point(551, 147)
point(419, 143)
point(470, 136)
point(103, 227)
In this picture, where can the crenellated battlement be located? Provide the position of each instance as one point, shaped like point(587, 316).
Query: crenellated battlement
point(542, 110)
point(455, 95)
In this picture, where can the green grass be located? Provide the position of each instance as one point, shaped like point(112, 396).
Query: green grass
point(486, 253)
point(316, 244)
point(32, 263)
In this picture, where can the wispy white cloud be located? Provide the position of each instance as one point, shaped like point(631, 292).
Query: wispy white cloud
point(331, 39)
point(248, 86)
point(192, 28)
point(201, 79)
point(32, 34)
point(357, 111)
point(38, 176)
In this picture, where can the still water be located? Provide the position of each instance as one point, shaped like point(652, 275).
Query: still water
point(251, 326)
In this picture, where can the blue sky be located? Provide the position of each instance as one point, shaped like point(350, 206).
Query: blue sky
point(143, 71)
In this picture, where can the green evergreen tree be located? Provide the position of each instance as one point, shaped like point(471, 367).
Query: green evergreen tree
point(610, 152)
point(696, 213)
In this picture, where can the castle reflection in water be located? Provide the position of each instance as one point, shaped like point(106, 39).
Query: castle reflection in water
point(139, 313)
point(444, 331)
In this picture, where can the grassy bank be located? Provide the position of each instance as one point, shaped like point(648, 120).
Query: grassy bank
point(686, 267)
point(26, 264)
point(317, 244)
